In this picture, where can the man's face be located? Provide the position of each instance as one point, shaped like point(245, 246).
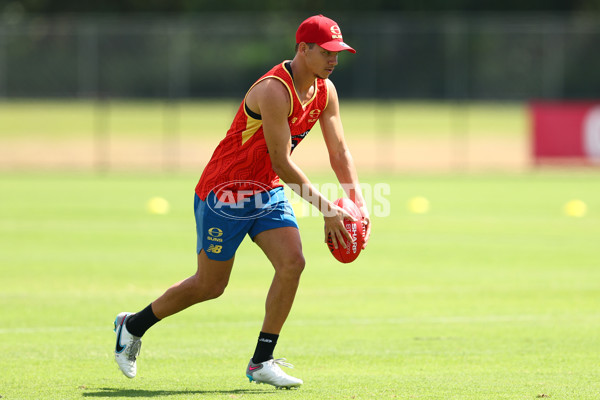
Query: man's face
point(321, 61)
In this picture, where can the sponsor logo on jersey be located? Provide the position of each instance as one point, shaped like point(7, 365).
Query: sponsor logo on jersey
point(314, 115)
point(298, 138)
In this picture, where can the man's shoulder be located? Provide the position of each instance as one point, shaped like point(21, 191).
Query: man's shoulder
point(270, 88)
point(268, 94)
point(329, 83)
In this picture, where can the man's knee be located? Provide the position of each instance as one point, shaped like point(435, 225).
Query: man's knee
point(203, 291)
point(215, 291)
point(292, 266)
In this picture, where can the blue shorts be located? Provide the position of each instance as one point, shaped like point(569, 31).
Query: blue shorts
point(221, 227)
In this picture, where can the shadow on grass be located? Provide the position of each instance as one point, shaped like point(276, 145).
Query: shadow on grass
point(114, 392)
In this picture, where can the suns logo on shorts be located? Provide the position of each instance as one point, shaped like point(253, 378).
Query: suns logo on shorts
point(214, 235)
point(213, 248)
point(215, 232)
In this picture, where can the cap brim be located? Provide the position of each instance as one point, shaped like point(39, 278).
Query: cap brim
point(336, 45)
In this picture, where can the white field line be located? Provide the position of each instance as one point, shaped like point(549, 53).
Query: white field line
point(489, 319)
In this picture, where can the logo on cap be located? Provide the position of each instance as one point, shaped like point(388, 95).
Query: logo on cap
point(337, 32)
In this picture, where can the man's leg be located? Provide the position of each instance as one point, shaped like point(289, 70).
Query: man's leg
point(209, 282)
point(283, 248)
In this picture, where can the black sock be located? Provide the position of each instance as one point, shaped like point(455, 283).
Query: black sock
point(139, 323)
point(264, 347)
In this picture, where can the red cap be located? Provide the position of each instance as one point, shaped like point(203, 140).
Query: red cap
point(323, 31)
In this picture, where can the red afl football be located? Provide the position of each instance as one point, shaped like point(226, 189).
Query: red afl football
point(355, 228)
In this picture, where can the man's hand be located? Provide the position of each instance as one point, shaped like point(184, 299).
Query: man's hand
point(366, 225)
point(334, 225)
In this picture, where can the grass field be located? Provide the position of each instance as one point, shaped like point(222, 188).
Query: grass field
point(493, 294)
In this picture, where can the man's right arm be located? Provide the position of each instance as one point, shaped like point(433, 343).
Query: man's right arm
point(271, 100)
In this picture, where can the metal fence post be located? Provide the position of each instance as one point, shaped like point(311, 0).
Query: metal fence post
point(457, 86)
point(101, 135)
point(3, 62)
point(88, 60)
point(177, 86)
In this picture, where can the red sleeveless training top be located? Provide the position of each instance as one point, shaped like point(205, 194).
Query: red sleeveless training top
point(241, 162)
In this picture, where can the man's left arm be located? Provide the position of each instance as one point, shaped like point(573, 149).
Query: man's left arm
point(340, 158)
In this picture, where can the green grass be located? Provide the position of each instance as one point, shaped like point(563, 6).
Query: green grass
point(491, 295)
point(205, 119)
